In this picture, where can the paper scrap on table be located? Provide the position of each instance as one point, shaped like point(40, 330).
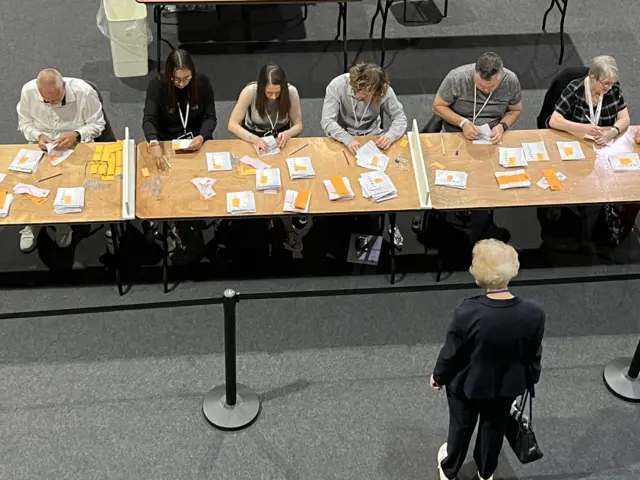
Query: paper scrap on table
point(484, 134)
point(219, 161)
point(512, 157)
point(438, 165)
point(57, 155)
point(181, 144)
point(36, 200)
point(544, 183)
point(535, 152)
point(297, 202)
point(145, 172)
point(69, 200)
point(369, 156)
point(244, 169)
point(625, 162)
point(204, 185)
point(451, 178)
point(404, 142)
point(254, 162)
point(427, 142)
point(21, 188)
point(6, 204)
point(272, 145)
point(2, 177)
point(570, 150)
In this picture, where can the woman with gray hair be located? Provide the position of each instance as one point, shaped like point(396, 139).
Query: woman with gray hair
point(491, 354)
point(593, 106)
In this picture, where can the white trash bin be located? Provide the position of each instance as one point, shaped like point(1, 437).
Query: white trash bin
point(129, 37)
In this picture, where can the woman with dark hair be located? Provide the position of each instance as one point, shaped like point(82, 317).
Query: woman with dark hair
point(269, 107)
point(179, 104)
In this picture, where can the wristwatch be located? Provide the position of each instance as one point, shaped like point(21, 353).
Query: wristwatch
point(504, 126)
point(617, 130)
point(79, 139)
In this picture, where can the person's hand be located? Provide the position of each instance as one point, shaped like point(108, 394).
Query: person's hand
point(593, 130)
point(496, 134)
point(67, 140)
point(196, 143)
point(469, 131)
point(606, 136)
point(156, 155)
point(383, 142)
point(283, 138)
point(434, 385)
point(354, 146)
point(260, 144)
point(636, 137)
point(42, 142)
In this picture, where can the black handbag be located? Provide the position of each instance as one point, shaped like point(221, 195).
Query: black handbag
point(520, 433)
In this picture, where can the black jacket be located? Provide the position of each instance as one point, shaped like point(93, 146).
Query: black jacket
point(161, 124)
point(493, 348)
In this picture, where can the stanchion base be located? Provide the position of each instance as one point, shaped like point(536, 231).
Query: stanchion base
point(616, 380)
point(226, 417)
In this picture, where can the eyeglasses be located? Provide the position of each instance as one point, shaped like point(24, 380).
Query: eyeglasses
point(182, 80)
point(606, 86)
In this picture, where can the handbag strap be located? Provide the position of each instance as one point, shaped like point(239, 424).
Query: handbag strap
point(523, 401)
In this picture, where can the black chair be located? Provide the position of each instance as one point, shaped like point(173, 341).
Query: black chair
point(434, 125)
point(558, 84)
point(107, 134)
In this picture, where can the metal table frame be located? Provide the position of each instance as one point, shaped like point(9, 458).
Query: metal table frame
point(562, 6)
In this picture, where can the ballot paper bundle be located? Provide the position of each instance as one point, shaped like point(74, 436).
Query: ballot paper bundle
point(181, 144)
point(339, 188)
point(26, 161)
point(268, 180)
point(300, 167)
point(512, 157)
point(204, 185)
point(297, 202)
point(272, 145)
point(56, 154)
point(451, 178)
point(535, 152)
point(570, 151)
point(241, 202)
point(625, 162)
point(219, 161)
point(5, 202)
point(484, 134)
point(369, 156)
point(513, 179)
point(377, 186)
point(69, 200)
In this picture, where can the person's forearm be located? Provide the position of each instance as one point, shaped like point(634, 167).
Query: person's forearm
point(448, 115)
point(622, 124)
point(295, 130)
point(333, 130)
point(511, 116)
point(558, 122)
point(398, 128)
point(243, 134)
point(31, 133)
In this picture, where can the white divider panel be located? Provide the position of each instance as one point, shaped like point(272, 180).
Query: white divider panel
point(128, 177)
point(419, 168)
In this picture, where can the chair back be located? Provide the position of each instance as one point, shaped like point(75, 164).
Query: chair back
point(434, 125)
point(107, 134)
point(558, 84)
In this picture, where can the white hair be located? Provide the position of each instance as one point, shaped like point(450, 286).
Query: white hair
point(50, 76)
point(494, 263)
point(604, 66)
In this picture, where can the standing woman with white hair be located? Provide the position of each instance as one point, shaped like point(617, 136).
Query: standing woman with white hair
point(491, 354)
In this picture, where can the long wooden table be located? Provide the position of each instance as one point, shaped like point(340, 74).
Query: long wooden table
point(589, 181)
point(159, 6)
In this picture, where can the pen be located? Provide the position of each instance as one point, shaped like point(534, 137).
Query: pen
point(346, 159)
point(166, 160)
point(442, 141)
point(299, 149)
point(49, 178)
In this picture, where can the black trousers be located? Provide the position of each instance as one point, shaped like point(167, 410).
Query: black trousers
point(463, 416)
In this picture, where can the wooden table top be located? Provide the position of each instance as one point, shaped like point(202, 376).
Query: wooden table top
point(176, 198)
point(101, 204)
point(588, 181)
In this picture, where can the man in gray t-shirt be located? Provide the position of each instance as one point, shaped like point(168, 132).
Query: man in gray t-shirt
point(472, 95)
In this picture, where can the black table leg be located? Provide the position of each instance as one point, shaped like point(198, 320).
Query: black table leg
point(165, 258)
point(392, 233)
point(563, 13)
point(375, 15)
point(385, 12)
point(343, 7)
point(157, 16)
point(115, 240)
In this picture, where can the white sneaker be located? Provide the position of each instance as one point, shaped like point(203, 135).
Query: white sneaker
point(64, 236)
point(27, 239)
point(442, 454)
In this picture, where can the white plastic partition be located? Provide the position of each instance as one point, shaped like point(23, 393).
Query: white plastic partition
point(419, 168)
point(128, 177)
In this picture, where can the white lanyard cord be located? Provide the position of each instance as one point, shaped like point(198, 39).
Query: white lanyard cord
point(355, 116)
point(475, 99)
point(593, 118)
point(273, 126)
point(184, 119)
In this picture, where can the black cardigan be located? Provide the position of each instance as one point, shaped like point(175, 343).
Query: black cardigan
point(160, 124)
point(493, 348)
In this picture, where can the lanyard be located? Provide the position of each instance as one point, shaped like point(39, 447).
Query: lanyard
point(355, 116)
point(273, 125)
point(184, 119)
point(475, 99)
point(593, 118)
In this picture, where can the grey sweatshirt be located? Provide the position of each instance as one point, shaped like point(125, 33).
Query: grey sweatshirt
point(344, 115)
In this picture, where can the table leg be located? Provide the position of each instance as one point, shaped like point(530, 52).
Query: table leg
point(384, 31)
point(392, 225)
point(116, 257)
point(546, 14)
point(563, 13)
point(446, 8)
point(157, 16)
point(344, 36)
point(375, 15)
point(165, 258)
point(339, 22)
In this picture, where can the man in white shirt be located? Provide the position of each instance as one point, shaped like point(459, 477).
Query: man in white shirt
point(65, 111)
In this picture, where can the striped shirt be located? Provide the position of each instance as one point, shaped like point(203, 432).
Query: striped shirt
point(573, 106)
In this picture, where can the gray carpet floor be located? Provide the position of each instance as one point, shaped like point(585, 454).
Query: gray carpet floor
point(117, 394)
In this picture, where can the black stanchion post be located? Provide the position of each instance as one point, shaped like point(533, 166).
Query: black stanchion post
point(621, 377)
point(231, 406)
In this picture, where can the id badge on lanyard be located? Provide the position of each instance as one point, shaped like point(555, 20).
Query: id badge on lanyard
point(594, 118)
point(184, 119)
